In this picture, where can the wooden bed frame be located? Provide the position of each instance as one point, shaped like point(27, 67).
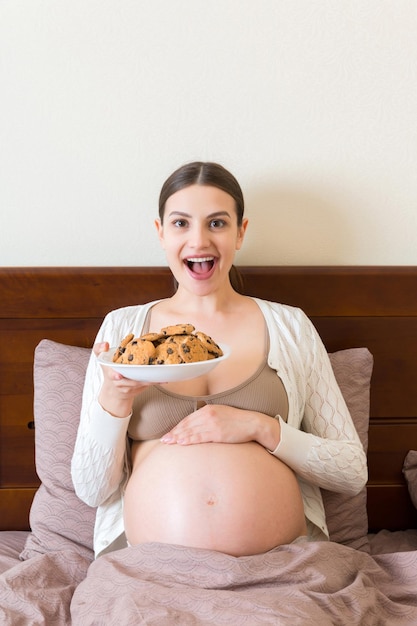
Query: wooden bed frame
point(351, 307)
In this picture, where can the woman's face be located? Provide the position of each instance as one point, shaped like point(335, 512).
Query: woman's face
point(200, 236)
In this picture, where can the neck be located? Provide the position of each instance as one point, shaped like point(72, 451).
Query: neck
point(222, 300)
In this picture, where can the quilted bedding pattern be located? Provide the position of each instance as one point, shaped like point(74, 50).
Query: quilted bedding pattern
point(300, 584)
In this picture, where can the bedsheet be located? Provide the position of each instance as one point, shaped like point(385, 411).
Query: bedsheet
point(12, 543)
point(300, 584)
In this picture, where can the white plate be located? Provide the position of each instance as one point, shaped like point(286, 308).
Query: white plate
point(163, 373)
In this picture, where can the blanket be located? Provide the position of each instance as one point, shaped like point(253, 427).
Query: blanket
point(38, 592)
point(300, 584)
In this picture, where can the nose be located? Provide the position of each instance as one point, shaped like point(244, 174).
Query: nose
point(199, 237)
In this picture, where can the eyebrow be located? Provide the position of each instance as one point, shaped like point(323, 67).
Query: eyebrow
point(210, 216)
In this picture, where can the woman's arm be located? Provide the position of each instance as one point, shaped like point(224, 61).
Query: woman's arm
point(98, 464)
point(327, 450)
point(100, 460)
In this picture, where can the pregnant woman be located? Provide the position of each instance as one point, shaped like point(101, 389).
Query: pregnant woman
point(234, 460)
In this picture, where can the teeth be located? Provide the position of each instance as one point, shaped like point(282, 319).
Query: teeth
point(200, 259)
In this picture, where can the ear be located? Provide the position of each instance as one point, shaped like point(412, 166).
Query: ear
point(241, 233)
point(160, 231)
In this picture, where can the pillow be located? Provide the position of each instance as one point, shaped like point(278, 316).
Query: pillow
point(58, 518)
point(410, 473)
point(347, 516)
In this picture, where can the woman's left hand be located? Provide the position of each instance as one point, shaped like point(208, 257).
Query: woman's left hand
point(217, 423)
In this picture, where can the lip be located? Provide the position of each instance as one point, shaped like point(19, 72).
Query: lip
point(199, 258)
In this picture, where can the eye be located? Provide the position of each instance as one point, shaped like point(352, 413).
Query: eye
point(217, 223)
point(180, 223)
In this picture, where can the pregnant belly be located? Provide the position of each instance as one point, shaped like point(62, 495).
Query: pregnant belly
point(234, 498)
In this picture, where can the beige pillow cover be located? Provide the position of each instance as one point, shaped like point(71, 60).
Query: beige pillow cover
point(410, 473)
point(60, 520)
point(347, 516)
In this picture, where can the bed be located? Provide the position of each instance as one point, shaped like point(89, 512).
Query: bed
point(366, 574)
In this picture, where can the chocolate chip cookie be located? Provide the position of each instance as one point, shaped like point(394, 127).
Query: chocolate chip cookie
point(138, 352)
point(209, 344)
point(172, 345)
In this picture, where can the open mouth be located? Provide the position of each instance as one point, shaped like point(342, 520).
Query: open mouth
point(200, 265)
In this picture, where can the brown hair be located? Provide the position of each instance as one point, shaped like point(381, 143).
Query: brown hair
point(214, 175)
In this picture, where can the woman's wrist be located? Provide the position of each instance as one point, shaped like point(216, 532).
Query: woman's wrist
point(269, 433)
point(117, 407)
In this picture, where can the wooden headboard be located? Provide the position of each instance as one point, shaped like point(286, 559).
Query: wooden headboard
point(351, 307)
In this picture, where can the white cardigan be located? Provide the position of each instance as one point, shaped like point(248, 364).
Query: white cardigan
point(326, 453)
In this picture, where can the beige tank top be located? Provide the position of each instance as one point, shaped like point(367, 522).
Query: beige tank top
point(157, 410)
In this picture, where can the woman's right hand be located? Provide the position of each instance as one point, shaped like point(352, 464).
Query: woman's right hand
point(117, 392)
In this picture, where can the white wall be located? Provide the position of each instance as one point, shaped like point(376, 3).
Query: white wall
point(311, 103)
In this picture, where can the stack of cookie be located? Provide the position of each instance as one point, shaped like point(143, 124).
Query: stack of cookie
point(172, 345)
